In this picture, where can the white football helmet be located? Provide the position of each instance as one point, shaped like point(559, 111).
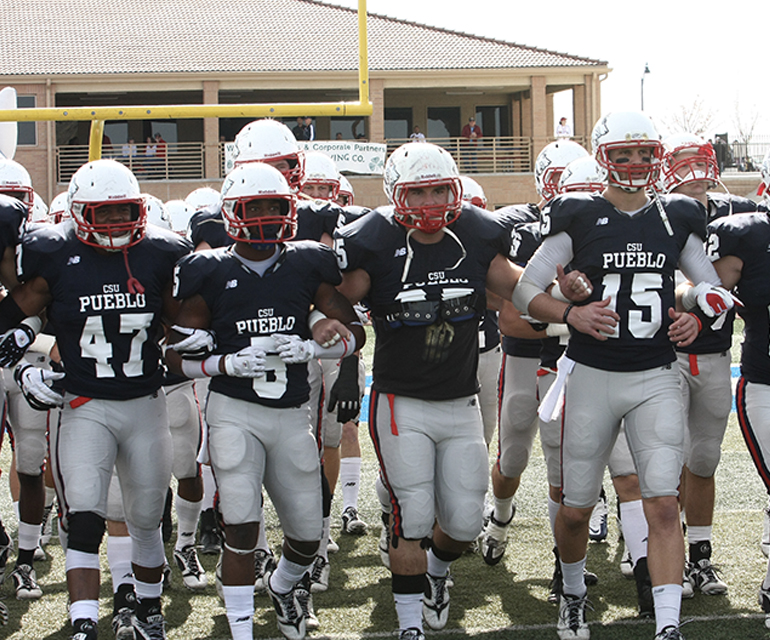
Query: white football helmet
point(39, 209)
point(321, 170)
point(58, 210)
point(270, 141)
point(624, 130)
point(156, 212)
point(15, 182)
point(422, 165)
point(346, 196)
point(202, 198)
point(106, 182)
point(179, 213)
point(764, 170)
point(551, 162)
point(258, 181)
point(473, 193)
point(698, 163)
point(583, 174)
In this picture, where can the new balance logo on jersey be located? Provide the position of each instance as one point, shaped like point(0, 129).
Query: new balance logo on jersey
point(400, 252)
point(602, 221)
point(231, 284)
point(73, 260)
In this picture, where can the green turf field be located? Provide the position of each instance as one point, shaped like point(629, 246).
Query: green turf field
point(490, 603)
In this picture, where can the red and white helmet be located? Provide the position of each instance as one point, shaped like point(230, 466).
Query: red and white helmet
point(551, 162)
point(156, 212)
point(692, 157)
point(346, 196)
point(202, 198)
point(258, 181)
point(473, 192)
point(179, 213)
point(764, 170)
point(39, 209)
point(105, 182)
point(321, 170)
point(15, 182)
point(269, 141)
point(624, 130)
point(58, 210)
point(422, 165)
point(583, 174)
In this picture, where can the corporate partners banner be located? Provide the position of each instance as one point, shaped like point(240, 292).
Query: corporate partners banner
point(350, 156)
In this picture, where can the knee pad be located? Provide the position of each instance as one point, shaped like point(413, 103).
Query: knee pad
point(85, 531)
point(147, 547)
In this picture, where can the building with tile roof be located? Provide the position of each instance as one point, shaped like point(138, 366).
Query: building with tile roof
point(74, 53)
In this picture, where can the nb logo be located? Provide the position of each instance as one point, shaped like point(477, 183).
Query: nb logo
point(602, 221)
point(73, 260)
point(231, 284)
point(400, 252)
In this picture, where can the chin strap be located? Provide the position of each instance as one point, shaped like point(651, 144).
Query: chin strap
point(134, 286)
point(662, 212)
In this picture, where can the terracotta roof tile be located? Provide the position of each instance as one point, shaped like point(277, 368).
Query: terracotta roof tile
point(81, 37)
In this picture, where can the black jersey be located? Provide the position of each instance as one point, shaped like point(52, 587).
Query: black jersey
point(107, 336)
point(246, 309)
point(719, 337)
point(747, 236)
point(13, 220)
point(207, 225)
point(426, 300)
point(316, 217)
point(632, 260)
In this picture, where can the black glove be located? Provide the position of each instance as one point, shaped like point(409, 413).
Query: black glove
point(345, 394)
point(14, 344)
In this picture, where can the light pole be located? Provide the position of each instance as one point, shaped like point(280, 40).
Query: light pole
point(644, 73)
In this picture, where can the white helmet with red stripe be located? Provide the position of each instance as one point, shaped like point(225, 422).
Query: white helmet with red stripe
point(583, 174)
point(473, 193)
point(16, 182)
point(688, 158)
point(271, 141)
point(551, 162)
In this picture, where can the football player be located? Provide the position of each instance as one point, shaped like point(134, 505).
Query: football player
point(424, 264)
point(618, 363)
point(690, 168)
point(256, 297)
point(105, 277)
point(738, 245)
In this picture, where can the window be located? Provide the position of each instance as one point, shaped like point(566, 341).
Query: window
point(494, 121)
point(398, 123)
point(443, 122)
point(27, 130)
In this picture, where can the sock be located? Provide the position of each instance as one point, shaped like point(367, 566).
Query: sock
point(572, 577)
point(350, 475)
point(409, 610)
point(635, 530)
point(209, 487)
point(323, 547)
point(29, 536)
point(84, 609)
point(119, 559)
point(698, 534)
point(262, 537)
point(187, 514)
point(239, 603)
point(503, 509)
point(286, 575)
point(668, 602)
point(437, 568)
point(148, 590)
point(553, 509)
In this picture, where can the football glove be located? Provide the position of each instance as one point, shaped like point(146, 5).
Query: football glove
point(711, 300)
point(34, 385)
point(293, 349)
point(198, 345)
point(246, 363)
point(14, 344)
point(345, 394)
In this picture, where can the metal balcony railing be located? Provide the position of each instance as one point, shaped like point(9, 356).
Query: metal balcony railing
point(181, 160)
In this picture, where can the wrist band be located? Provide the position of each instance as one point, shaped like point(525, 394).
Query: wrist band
point(314, 317)
point(566, 313)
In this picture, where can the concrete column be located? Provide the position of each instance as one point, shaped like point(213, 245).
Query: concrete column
point(211, 133)
point(377, 119)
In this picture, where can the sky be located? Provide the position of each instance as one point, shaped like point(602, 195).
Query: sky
point(693, 54)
